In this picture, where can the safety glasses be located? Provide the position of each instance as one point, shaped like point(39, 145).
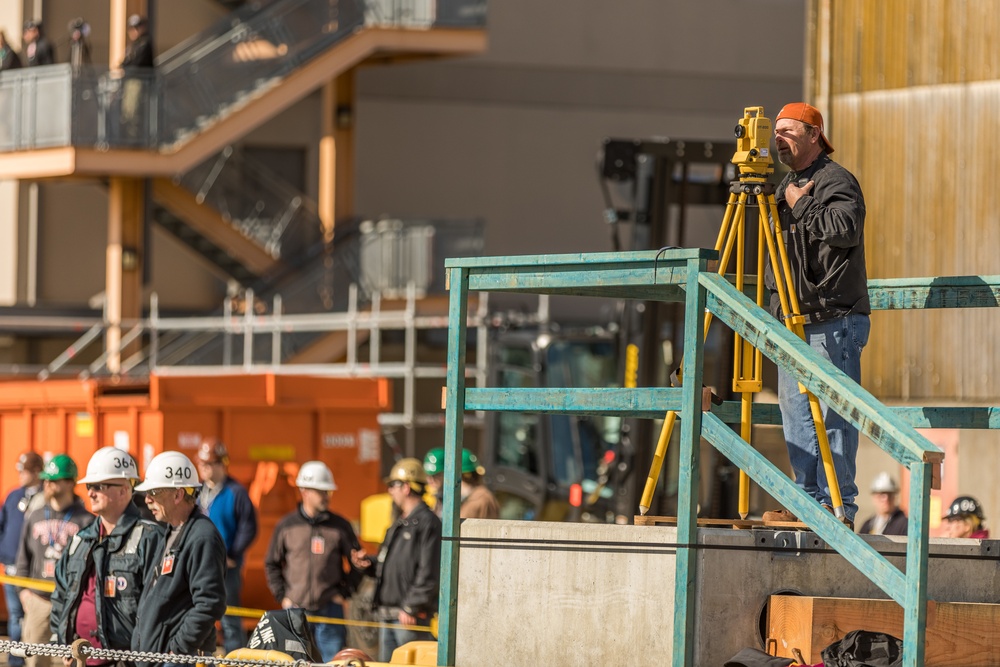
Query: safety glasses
point(103, 486)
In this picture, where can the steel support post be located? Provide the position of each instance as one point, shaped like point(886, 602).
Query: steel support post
point(688, 473)
point(458, 306)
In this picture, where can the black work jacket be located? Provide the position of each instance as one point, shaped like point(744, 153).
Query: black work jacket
point(897, 525)
point(179, 608)
point(409, 564)
point(124, 555)
point(824, 236)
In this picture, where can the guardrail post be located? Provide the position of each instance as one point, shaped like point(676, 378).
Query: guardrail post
point(688, 473)
point(458, 300)
point(915, 612)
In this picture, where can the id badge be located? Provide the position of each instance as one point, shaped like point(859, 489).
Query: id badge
point(168, 564)
point(110, 586)
point(49, 569)
point(318, 545)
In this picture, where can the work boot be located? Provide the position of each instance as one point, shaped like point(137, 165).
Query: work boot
point(780, 515)
point(847, 522)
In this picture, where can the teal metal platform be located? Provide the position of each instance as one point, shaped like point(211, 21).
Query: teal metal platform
point(669, 276)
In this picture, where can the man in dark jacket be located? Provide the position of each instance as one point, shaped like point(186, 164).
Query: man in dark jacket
point(889, 519)
point(28, 466)
point(307, 563)
point(138, 59)
point(139, 51)
point(37, 48)
point(47, 532)
point(409, 561)
point(100, 578)
point(822, 214)
point(185, 593)
point(227, 504)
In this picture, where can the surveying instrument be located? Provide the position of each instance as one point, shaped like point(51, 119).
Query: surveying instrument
point(753, 158)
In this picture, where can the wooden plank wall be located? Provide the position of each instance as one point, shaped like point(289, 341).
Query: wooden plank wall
point(911, 93)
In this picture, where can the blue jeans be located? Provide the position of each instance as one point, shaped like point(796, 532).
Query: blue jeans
point(233, 634)
point(840, 340)
point(14, 615)
point(389, 639)
point(329, 637)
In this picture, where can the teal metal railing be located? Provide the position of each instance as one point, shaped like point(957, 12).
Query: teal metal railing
point(640, 275)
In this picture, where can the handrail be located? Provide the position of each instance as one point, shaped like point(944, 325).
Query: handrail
point(827, 382)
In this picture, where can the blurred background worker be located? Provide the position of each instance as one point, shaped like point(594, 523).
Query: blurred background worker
point(100, 579)
point(36, 48)
point(16, 505)
point(47, 531)
point(308, 561)
point(407, 573)
point(227, 504)
point(185, 594)
point(434, 469)
point(79, 44)
point(478, 502)
point(889, 519)
point(965, 519)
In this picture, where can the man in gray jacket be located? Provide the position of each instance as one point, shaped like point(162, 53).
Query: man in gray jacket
point(100, 578)
point(822, 213)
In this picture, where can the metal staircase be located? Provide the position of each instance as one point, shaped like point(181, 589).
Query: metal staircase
point(213, 88)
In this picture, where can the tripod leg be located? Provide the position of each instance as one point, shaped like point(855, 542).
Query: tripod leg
point(732, 222)
point(746, 429)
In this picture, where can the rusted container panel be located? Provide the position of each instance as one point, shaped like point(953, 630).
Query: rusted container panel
point(270, 424)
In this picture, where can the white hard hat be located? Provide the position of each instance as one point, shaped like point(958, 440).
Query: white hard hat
point(170, 470)
point(315, 475)
point(110, 463)
point(884, 484)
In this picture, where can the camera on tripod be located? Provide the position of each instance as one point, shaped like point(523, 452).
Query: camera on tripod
point(753, 140)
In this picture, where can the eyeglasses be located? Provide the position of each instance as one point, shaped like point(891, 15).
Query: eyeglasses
point(156, 493)
point(104, 486)
point(394, 483)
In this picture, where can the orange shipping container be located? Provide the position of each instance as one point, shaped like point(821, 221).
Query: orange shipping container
point(270, 423)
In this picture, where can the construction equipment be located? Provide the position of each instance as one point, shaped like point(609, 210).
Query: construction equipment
point(753, 159)
point(656, 192)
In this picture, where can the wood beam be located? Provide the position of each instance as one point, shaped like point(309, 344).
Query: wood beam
point(336, 152)
point(123, 276)
point(957, 633)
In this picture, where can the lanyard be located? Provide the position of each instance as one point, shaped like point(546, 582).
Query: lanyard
point(54, 535)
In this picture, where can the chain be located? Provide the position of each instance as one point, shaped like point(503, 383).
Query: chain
point(64, 651)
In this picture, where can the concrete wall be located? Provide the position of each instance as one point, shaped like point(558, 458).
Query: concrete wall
point(557, 594)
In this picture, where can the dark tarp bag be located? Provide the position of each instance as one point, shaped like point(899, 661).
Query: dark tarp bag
point(285, 630)
point(751, 657)
point(861, 648)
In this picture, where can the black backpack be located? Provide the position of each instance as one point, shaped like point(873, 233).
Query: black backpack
point(861, 648)
point(285, 630)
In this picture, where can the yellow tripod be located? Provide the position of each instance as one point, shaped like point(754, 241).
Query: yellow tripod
point(753, 158)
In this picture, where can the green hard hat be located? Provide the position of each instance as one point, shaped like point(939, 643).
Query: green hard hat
point(434, 461)
point(59, 466)
point(470, 463)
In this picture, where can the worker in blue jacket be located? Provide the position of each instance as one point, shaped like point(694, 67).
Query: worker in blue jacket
point(29, 466)
point(227, 504)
